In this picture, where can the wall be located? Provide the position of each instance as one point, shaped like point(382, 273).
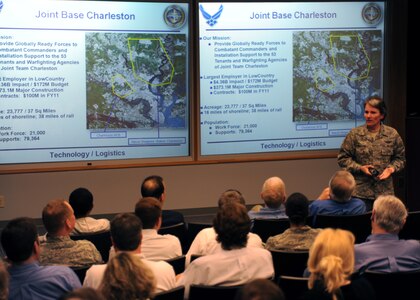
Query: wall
point(190, 186)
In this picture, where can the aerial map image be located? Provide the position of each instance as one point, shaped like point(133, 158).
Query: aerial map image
point(136, 81)
point(334, 72)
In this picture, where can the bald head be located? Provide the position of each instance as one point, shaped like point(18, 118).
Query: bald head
point(273, 192)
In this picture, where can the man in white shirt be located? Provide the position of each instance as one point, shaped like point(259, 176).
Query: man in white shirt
point(154, 246)
point(126, 234)
point(234, 263)
point(205, 242)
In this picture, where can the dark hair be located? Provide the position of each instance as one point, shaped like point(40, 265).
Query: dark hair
point(18, 238)
point(126, 231)
point(148, 209)
point(81, 199)
point(152, 186)
point(232, 225)
point(378, 103)
point(55, 214)
point(297, 208)
point(231, 195)
point(260, 289)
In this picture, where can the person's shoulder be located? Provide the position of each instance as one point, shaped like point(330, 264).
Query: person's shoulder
point(99, 268)
point(388, 130)
point(56, 270)
point(158, 266)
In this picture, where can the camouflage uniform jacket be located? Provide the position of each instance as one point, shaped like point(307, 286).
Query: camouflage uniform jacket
point(360, 148)
point(64, 251)
point(293, 239)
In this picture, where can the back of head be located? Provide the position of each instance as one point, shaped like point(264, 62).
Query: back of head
point(331, 258)
point(149, 210)
point(231, 196)
point(389, 213)
point(297, 208)
point(260, 289)
point(342, 185)
point(18, 238)
point(126, 231)
point(232, 225)
point(55, 215)
point(273, 192)
point(152, 186)
point(127, 277)
point(4, 282)
point(81, 200)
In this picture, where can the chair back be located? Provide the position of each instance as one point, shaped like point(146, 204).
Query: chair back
point(411, 229)
point(81, 272)
point(193, 228)
point(397, 285)
point(178, 263)
point(179, 230)
point(293, 287)
point(359, 225)
point(289, 262)
point(101, 240)
point(172, 294)
point(195, 256)
point(207, 292)
point(269, 227)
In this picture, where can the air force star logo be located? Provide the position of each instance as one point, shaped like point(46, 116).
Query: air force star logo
point(211, 19)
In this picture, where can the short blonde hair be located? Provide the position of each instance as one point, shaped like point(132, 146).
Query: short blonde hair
point(331, 259)
point(127, 277)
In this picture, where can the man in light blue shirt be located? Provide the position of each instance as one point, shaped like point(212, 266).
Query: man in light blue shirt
point(383, 251)
point(337, 198)
point(273, 193)
point(29, 280)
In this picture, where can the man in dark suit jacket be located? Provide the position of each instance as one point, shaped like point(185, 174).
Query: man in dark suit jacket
point(153, 186)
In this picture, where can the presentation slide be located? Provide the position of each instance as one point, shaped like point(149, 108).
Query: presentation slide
point(93, 80)
point(289, 76)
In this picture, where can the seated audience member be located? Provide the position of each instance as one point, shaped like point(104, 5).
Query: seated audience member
point(59, 249)
point(337, 198)
point(154, 246)
point(83, 293)
point(81, 200)
point(235, 263)
point(29, 280)
point(260, 289)
point(299, 236)
point(206, 240)
point(126, 234)
point(331, 265)
point(383, 251)
point(153, 186)
point(273, 193)
point(127, 277)
point(4, 282)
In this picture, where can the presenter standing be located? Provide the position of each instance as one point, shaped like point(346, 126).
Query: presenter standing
point(372, 152)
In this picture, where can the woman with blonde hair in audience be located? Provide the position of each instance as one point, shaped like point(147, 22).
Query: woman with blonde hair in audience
point(127, 277)
point(331, 266)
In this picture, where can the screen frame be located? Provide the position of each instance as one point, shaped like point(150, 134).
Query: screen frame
point(31, 167)
point(281, 155)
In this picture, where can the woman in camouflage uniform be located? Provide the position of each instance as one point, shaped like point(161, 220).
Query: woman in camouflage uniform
point(372, 152)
